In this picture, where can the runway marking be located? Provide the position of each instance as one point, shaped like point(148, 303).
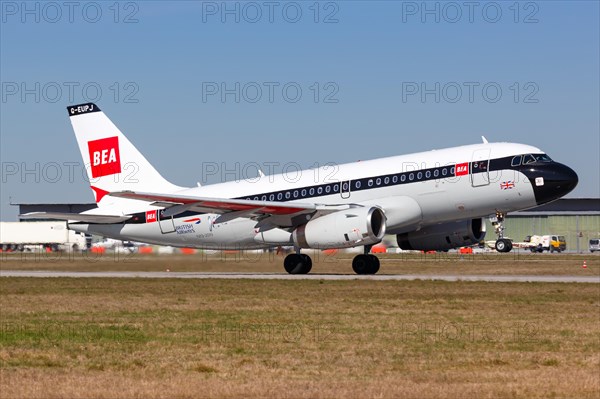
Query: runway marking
point(283, 276)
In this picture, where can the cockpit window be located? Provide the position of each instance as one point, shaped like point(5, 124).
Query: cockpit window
point(542, 158)
point(516, 161)
point(527, 159)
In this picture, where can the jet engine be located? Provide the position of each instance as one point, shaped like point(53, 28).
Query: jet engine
point(342, 229)
point(444, 236)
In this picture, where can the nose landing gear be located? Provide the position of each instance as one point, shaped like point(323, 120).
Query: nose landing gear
point(502, 244)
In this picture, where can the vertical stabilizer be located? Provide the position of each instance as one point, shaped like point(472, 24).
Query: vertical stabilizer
point(112, 162)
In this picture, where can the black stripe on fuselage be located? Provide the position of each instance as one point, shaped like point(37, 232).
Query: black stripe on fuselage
point(380, 181)
point(366, 183)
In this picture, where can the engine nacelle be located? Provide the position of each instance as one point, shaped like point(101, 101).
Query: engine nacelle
point(342, 229)
point(444, 236)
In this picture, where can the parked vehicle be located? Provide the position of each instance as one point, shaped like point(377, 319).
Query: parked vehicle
point(549, 243)
point(20, 236)
point(594, 245)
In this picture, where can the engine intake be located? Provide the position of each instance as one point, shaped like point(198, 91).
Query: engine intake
point(342, 229)
point(444, 236)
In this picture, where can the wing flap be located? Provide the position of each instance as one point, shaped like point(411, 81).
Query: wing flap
point(78, 217)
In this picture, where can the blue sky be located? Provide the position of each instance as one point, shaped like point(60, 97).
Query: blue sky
point(353, 73)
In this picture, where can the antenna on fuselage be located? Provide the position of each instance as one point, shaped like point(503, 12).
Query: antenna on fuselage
point(485, 141)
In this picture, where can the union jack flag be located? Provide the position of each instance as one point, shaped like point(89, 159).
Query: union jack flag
point(507, 185)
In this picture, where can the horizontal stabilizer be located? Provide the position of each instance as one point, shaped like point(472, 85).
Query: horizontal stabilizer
point(78, 217)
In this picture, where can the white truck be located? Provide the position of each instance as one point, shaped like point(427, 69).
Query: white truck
point(549, 243)
point(20, 236)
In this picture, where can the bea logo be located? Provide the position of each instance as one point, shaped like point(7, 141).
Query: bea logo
point(462, 169)
point(104, 156)
point(150, 216)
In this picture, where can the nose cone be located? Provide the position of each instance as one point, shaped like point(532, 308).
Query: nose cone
point(552, 181)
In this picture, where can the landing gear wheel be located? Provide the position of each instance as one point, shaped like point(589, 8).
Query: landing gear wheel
point(365, 264)
point(374, 264)
point(297, 264)
point(307, 263)
point(503, 245)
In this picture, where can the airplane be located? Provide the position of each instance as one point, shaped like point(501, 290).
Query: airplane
point(435, 200)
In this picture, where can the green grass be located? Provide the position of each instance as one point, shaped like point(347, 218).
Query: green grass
point(190, 338)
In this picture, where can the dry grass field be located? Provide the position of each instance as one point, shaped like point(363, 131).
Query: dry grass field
point(146, 338)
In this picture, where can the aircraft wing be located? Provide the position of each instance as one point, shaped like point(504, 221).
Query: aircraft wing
point(78, 217)
point(275, 214)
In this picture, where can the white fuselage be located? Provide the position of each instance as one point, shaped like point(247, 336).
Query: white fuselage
point(442, 192)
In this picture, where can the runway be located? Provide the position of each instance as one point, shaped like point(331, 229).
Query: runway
point(284, 276)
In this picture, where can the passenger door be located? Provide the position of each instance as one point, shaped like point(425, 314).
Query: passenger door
point(480, 175)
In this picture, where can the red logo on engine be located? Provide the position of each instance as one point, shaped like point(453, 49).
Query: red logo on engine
point(461, 169)
point(150, 216)
point(104, 156)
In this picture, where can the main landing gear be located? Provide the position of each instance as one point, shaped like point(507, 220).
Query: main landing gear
point(365, 263)
point(502, 244)
point(297, 263)
point(302, 264)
